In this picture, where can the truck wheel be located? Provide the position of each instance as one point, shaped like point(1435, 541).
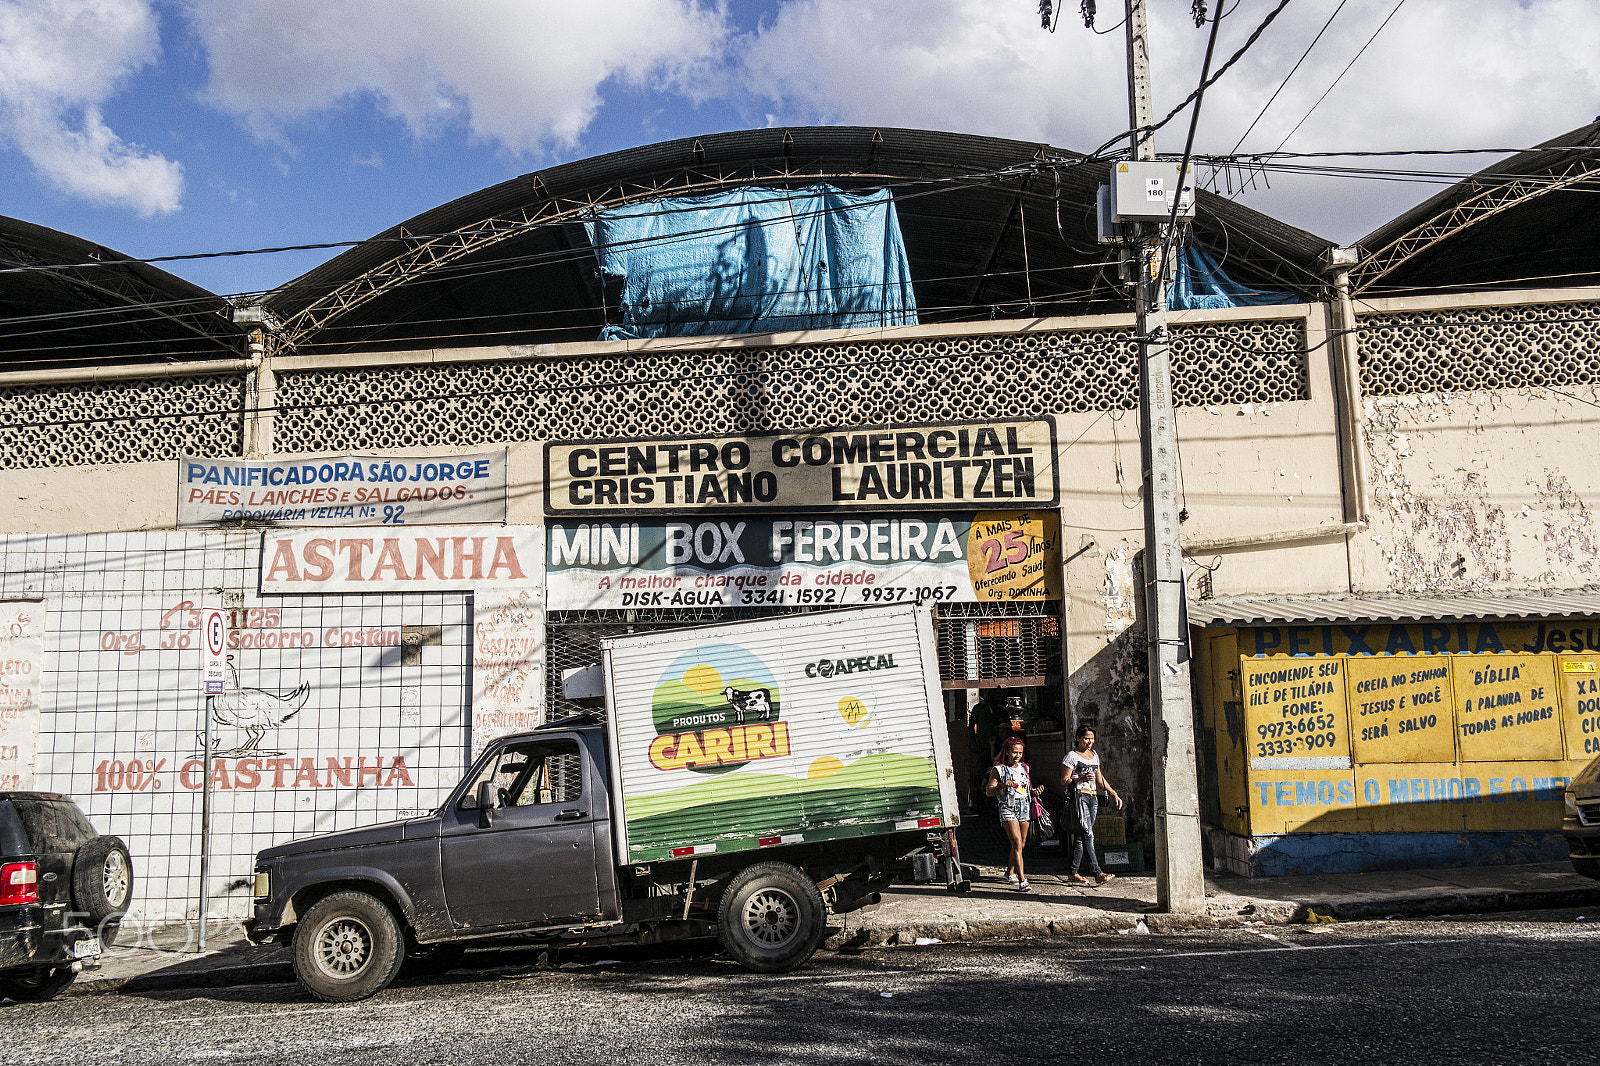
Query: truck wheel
point(347, 947)
point(37, 986)
point(771, 918)
point(102, 884)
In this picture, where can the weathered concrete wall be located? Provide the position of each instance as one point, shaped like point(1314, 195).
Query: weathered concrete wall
point(139, 496)
point(1248, 469)
point(1467, 491)
point(1481, 490)
point(89, 499)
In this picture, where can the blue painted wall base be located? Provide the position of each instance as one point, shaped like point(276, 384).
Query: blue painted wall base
point(1348, 853)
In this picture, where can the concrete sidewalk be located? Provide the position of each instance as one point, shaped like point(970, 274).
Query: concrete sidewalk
point(163, 957)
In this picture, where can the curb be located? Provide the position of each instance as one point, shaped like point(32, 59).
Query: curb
point(990, 930)
point(216, 977)
point(1465, 902)
point(1004, 929)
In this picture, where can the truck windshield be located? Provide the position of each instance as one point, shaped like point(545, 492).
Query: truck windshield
point(532, 772)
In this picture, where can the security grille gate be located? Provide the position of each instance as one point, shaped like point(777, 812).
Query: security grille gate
point(980, 645)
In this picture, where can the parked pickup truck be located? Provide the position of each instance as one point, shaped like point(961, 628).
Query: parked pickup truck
point(743, 780)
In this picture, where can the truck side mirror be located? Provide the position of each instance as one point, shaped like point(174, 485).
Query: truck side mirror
point(485, 804)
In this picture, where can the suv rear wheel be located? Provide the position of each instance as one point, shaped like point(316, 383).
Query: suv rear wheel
point(347, 947)
point(102, 884)
point(36, 986)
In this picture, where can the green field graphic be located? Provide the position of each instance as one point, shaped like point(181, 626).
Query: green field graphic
point(744, 821)
point(673, 700)
point(874, 789)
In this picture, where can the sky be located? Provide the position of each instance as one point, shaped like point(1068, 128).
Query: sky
point(174, 127)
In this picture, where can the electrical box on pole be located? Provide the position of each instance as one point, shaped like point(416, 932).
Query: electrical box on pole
point(1144, 191)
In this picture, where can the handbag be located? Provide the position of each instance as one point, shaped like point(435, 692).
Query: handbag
point(1043, 822)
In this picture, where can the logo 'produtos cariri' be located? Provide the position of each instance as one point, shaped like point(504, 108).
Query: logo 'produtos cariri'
point(716, 707)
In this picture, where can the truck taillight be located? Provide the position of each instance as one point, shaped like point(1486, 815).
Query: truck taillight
point(19, 883)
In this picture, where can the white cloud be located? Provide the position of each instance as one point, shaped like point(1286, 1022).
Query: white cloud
point(60, 60)
point(1443, 74)
point(527, 74)
point(973, 66)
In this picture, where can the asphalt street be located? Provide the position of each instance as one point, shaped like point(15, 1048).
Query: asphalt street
point(1503, 988)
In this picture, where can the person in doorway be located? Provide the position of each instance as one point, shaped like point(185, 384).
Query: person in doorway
point(1012, 786)
point(1083, 780)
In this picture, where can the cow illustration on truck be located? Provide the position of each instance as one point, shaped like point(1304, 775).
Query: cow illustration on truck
point(726, 788)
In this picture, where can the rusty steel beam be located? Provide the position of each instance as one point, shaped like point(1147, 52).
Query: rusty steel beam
point(1487, 199)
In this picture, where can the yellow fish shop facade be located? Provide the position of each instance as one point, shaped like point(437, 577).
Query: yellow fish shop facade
point(1375, 740)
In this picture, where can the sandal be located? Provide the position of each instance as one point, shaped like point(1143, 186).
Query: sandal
point(1103, 878)
point(1077, 880)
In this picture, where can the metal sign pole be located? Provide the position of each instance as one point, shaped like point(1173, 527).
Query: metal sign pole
point(205, 825)
point(214, 641)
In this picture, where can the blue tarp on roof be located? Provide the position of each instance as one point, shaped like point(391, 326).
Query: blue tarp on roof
point(1201, 284)
point(756, 260)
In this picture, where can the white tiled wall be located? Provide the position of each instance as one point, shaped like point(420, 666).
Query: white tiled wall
point(113, 696)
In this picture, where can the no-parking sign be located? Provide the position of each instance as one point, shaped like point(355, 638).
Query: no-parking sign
point(214, 639)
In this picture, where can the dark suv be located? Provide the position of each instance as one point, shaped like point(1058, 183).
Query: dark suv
point(63, 891)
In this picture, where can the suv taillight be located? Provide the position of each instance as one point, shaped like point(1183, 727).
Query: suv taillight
point(19, 883)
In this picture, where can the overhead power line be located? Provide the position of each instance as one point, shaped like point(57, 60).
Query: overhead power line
point(1284, 83)
point(1361, 51)
point(1000, 174)
point(1205, 84)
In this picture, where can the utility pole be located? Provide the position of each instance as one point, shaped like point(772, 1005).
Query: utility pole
point(1180, 871)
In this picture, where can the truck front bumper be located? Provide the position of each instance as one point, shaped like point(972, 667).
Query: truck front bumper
point(264, 925)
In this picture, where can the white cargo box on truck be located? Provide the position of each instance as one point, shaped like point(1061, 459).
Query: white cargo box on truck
point(788, 730)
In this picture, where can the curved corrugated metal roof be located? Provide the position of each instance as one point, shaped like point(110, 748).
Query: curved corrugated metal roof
point(1528, 221)
point(989, 234)
point(111, 310)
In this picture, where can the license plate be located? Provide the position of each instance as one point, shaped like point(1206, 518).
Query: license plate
point(82, 949)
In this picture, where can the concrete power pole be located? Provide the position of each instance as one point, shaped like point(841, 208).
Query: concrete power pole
point(1180, 871)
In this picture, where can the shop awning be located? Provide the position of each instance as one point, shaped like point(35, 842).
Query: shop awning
point(1394, 607)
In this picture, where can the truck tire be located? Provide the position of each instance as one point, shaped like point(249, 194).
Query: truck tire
point(771, 918)
point(347, 947)
point(102, 885)
point(37, 986)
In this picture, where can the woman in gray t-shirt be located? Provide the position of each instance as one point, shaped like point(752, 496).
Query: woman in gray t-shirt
point(1082, 777)
point(1012, 786)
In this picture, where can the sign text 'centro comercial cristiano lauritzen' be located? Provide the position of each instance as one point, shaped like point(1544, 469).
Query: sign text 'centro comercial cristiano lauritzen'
point(987, 465)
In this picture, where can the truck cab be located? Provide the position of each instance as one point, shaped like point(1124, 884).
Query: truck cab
point(539, 804)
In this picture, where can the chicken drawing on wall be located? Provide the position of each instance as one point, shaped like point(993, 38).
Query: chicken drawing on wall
point(252, 711)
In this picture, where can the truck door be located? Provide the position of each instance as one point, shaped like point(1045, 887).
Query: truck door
point(535, 861)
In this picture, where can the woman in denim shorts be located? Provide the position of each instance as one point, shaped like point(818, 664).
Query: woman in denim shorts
point(1012, 786)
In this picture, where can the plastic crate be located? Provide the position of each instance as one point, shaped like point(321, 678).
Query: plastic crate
point(1111, 829)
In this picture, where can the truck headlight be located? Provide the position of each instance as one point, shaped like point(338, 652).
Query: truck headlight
point(1572, 803)
point(264, 879)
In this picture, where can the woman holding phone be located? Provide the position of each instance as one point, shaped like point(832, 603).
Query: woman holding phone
point(1081, 777)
